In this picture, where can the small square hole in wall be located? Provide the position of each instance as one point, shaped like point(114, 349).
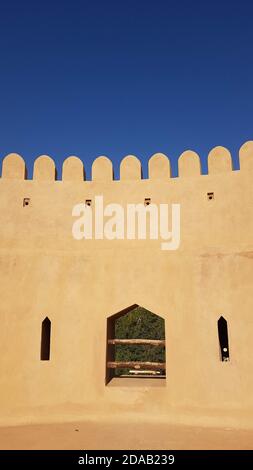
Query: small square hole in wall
point(88, 202)
point(210, 196)
point(26, 201)
point(147, 201)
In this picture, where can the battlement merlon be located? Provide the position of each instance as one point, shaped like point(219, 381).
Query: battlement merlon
point(159, 168)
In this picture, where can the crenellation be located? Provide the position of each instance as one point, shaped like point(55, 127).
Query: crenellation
point(189, 164)
point(159, 166)
point(73, 169)
point(130, 168)
point(13, 166)
point(44, 169)
point(219, 160)
point(246, 156)
point(102, 169)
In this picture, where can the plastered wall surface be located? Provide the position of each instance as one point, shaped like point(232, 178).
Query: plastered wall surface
point(45, 272)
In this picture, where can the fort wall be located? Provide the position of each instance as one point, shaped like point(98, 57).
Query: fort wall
point(45, 272)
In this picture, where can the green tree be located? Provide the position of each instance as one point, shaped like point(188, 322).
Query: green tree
point(139, 323)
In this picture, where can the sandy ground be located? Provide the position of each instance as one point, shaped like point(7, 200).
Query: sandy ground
point(91, 435)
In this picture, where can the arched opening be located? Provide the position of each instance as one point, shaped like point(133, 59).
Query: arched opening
point(223, 339)
point(45, 340)
point(135, 345)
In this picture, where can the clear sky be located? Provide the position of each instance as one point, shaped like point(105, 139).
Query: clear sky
point(99, 77)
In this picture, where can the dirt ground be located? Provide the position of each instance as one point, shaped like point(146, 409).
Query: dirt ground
point(93, 435)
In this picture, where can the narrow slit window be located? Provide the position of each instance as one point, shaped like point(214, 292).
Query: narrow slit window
point(223, 339)
point(210, 196)
point(45, 340)
point(26, 201)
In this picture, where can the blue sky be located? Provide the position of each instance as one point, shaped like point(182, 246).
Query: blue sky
point(91, 78)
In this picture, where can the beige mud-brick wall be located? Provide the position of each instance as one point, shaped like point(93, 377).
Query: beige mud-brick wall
point(79, 284)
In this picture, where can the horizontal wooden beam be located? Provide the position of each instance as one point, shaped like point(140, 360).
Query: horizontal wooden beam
point(153, 342)
point(136, 365)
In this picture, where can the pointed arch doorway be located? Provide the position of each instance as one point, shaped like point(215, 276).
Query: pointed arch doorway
point(135, 345)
